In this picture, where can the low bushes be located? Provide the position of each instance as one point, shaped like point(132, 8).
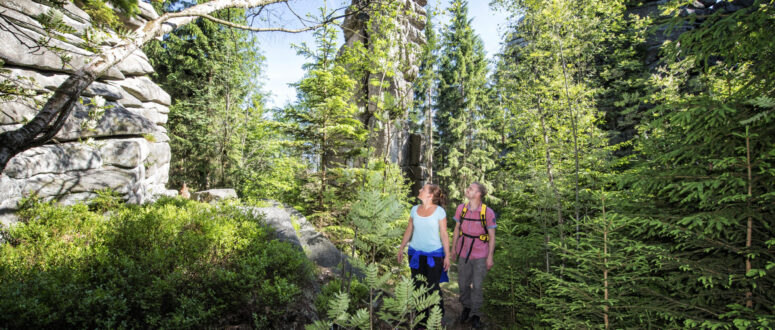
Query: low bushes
point(172, 264)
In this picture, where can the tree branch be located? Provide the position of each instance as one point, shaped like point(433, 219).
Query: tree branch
point(58, 107)
point(257, 29)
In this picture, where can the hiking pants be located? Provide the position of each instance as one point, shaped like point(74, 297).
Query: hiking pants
point(433, 276)
point(470, 277)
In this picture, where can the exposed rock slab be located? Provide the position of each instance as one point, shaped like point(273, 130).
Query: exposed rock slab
point(53, 158)
point(123, 181)
point(214, 195)
point(145, 90)
point(156, 107)
point(124, 153)
point(130, 152)
point(136, 64)
point(316, 246)
point(115, 121)
point(151, 113)
point(18, 110)
point(9, 192)
point(20, 49)
point(10, 127)
point(157, 176)
point(29, 9)
point(160, 153)
point(127, 99)
point(47, 81)
point(146, 11)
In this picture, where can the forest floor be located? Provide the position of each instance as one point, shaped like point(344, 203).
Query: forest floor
point(452, 307)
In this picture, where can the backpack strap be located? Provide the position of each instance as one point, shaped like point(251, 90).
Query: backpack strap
point(483, 220)
point(483, 217)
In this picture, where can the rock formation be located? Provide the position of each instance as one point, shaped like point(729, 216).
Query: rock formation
point(395, 139)
point(213, 196)
point(124, 148)
point(291, 226)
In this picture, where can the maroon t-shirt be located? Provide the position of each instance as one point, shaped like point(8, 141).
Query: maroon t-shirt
point(473, 228)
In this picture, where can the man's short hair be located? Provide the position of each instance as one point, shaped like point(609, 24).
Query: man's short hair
point(482, 189)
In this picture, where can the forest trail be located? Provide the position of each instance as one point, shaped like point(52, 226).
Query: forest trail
point(452, 307)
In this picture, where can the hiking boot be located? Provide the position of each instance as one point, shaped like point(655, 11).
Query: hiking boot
point(476, 323)
point(464, 315)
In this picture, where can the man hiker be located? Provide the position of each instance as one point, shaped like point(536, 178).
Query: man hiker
point(474, 244)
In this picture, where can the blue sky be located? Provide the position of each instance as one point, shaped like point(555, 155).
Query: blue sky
point(283, 66)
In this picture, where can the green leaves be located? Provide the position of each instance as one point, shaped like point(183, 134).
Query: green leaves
point(683, 137)
point(220, 132)
point(172, 264)
point(464, 118)
point(374, 217)
point(404, 307)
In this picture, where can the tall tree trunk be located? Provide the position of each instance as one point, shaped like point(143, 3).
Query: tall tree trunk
point(429, 134)
point(550, 174)
point(749, 226)
point(545, 227)
point(573, 122)
point(605, 265)
point(387, 151)
point(225, 140)
point(463, 180)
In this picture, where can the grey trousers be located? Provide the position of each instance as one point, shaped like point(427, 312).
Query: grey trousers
point(470, 277)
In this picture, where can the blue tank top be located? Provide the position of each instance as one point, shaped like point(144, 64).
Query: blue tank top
point(425, 236)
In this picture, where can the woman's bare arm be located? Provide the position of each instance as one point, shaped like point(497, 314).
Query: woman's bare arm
point(405, 240)
point(444, 241)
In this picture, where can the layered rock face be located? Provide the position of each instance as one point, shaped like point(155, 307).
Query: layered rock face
point(394, 140)
point(121, 146)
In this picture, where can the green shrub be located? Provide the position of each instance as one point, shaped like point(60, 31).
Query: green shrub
point(359, 295)
point(172, 264)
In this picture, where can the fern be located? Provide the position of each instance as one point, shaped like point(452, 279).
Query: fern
point(434, 318)
point(404, 309)
point(338, 309)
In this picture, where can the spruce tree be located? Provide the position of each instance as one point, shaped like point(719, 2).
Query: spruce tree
point(324, 116)
point(210, 72)
point(705, 172)
point(553, 157)
point(464, 154)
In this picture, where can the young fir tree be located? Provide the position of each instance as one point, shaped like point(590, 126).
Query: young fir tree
point(324, 116)
point(554, 153)
point(705, 171)
point(524, 214)
point(601, 286)
point(463, 154)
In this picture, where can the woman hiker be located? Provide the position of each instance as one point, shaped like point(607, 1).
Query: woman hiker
point(428, 240)
point(474, 245)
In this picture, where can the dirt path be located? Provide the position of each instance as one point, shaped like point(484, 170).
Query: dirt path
point(452, 307)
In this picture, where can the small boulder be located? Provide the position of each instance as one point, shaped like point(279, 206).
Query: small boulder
point(214, 195)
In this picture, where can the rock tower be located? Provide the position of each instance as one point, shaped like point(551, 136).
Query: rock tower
point(402, 148)
point(123, 146)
